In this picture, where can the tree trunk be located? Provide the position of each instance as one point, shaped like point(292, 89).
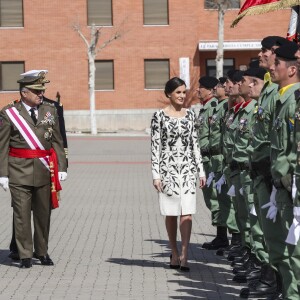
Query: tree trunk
point(92, 72)
point(220, 50)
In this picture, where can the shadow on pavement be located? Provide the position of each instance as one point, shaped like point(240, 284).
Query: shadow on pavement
point(209, 277)
point(5, 260)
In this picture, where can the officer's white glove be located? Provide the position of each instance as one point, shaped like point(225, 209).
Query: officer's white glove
point(294, 188)
point(231, 191)
point(219, 183)
point(272, 212)
point(62, 176)
point(294, 231)
point(296, 211)
point(253, 211)
point(241, 190)
point(4, 183)
point(210, 178)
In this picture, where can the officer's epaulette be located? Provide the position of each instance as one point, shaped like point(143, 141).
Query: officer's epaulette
point(48, 103)
point(14, 102)
point(225, 105)
point(214, 104)
point(297, 95)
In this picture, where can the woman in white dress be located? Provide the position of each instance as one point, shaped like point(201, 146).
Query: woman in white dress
point(176, 165)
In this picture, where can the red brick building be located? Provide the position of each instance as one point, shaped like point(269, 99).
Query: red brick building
point(131, 70)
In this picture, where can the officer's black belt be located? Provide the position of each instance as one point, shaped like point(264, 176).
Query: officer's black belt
point(215, 151)
point(205, 152)
point(262, 167)
point(277, 183)
point(234, 165)
point(243, 166)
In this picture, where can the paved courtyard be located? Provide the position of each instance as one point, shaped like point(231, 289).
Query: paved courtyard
point(108, 239)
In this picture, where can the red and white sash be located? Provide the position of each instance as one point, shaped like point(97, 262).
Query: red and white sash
point(27, 133)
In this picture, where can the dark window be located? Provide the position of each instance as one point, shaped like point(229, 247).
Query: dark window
point(11, 13)
point(157, 73)
point(156, 12)
point(104, 79)
point(9, 74)
point(229, 4)
point(211, 66)
point(100, 12)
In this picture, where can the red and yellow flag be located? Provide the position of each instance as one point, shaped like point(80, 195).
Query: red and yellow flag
point(257, 7)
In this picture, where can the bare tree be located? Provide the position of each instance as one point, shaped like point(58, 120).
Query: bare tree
point(221, 6)
point(92, 50)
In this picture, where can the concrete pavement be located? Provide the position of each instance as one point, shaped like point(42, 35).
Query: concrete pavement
point(108, 240)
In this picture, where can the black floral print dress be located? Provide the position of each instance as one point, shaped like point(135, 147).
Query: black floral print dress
point(176, 161)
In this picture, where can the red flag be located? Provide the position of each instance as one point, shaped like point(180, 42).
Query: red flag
point(256, 7)
point(252, 3)
point(294, 26)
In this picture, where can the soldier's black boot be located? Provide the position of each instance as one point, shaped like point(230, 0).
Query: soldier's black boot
point(234, 245)
point(221, 241)
point(207, 244)
point(278, 294)
point(250, 272)
point(265, 286)
point(237, 254)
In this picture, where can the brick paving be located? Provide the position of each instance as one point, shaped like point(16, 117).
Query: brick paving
point(108, 240)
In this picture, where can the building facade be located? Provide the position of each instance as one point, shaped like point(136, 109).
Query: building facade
point(159, 39)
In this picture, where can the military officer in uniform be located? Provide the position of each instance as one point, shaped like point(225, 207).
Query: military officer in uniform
point(209, 103)
point(261, 166)
point(283, 256)
point(32, 164)
point(296, 183)
point(227, 213)
point(231, 171)
point(241, 180)
point(32, 75)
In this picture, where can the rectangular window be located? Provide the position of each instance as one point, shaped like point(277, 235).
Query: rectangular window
point(11, 13)
point(228, 64)
point(157, 73)
point(104, 79)
point(9, 74)
point(229, 4)
point(100, 12)
point(156, 12)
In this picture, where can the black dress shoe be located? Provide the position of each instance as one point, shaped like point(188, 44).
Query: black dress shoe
point(26, 263)
point(14, 255)
point(44, 259)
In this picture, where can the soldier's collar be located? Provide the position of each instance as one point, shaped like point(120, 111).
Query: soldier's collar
point(285, 88)
point(207, 100)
